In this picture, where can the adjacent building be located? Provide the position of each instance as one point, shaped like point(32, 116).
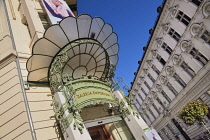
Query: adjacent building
point(175, 69)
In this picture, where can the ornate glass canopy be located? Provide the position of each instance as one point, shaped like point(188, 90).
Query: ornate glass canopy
point(88, 45)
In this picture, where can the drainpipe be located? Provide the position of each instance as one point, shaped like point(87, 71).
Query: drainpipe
point(33, 134)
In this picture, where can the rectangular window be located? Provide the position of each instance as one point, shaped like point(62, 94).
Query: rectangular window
point(183, 18)
point(155, 69)
point(160, 102)
point(144, 91)
point(160, 59)
point(147, 85)
point(155, 107)
point(44, 19)
point(140, 97)
point(165, 96)
point(166, 48)
point(206, 37)
point(138, 102)
point(151, 78)
point(150, 111)
point(196, 2)
point(188, 69)
point(198, 56)
point(174, 34)
point(172, 88)
point(179, 80)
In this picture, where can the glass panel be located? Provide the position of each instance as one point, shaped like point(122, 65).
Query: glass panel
point(69, 26)
point(56, 35)
point(96, 26)
point(38, 75)
point(106, 31)
point(84, 22)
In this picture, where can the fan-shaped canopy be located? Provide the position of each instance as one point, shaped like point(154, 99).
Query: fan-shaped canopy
point(89, 44)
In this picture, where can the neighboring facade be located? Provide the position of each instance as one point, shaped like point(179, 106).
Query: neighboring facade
point(46, 108)
point(175, 69)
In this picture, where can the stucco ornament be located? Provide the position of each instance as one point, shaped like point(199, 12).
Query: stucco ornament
point(158, 88)
point(196, 29)
point(149, 62)
point(165, 27)
point(206, 10)
point(186, 46)
point(145, 71)
point(163, 79)
point(154, 94)
point(173, 11)
point(154, 53)
point(176, 59)
point(159, 41)
point(169, 70)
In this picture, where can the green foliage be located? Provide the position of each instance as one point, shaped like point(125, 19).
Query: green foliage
point(193, 111)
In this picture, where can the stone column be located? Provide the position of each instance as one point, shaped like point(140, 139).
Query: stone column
point(133, 123)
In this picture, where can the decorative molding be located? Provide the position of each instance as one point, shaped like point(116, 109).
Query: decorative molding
point(206, 10)
point(165, 27)
point(158, 88)
point(169, 70)
point(154, 53)
point(159, 41)
point(163, 79)
point(149, 62)
point(176, 59)
point(196, 29)
point(145, 71)
point(173, 11)
point(154, 94)
point(186, 46)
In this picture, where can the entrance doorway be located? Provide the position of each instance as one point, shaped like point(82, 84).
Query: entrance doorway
point(99, 133)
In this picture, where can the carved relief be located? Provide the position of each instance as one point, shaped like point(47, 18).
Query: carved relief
point(173, 11)
point(154, 53)
point(154, 94)
point(159, 41)
point(145, 71)
point(186, 46)
point(165, 27)
point(169, 70)
point(158, 88)
point(163, 79)
point(206, 10)
point(196, 29)
point(149, 62)
point(176, 59)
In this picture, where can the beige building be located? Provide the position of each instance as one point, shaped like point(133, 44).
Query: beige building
point(29, 109)
point(175, 69)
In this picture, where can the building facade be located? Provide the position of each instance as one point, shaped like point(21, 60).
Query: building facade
point(175, 69)
point(56, 80)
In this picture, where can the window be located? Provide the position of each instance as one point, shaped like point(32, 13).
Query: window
point(174, 34)
point(140, 97)
point(198, 56)
point(155, 69)
point(151, 78)
point(160, 59)
point(160, 102)
point(155, 107)
point(166, 48)
point(138, 102)
point(44, 19)
point(196, 2)
point(150, 111)
point(165, 96)
point(183, 18)
point(147, 85)
point(206, 37)
point(172, 88)
point(171, 129)
point(179, 80)
point(188, 69)
point(144, 91)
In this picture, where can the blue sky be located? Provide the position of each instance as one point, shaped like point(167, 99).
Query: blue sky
point(131, 20)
